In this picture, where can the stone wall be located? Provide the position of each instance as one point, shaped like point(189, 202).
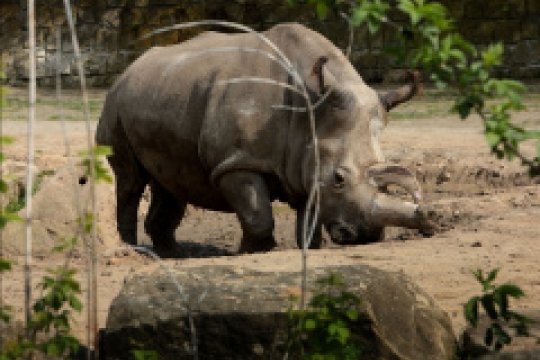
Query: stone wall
point(107, 29)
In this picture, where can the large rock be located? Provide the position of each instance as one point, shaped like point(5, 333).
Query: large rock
point(239, 313)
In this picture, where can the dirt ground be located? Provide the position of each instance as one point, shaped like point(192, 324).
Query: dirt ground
point(490, 210)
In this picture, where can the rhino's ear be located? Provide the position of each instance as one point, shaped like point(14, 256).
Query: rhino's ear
point(317, 71)
point(393, 98)
point(331, 94)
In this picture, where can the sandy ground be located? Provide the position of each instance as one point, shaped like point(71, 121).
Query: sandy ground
point(490, 218)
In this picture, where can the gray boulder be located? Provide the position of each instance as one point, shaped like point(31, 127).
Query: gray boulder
point(239, 313)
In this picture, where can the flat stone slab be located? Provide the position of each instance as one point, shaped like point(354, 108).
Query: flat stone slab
point(240, 313)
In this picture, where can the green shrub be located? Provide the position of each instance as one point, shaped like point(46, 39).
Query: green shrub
point(324, 331)
point(495, 302)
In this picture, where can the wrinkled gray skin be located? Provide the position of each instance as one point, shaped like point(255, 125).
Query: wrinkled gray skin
point(173, 125)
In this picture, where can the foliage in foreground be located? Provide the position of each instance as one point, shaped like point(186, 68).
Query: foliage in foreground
point(324, 331)
point(49, 331)
point(431, 42)
point(495, 301)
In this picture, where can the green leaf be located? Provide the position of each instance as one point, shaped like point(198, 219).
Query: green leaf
point(3, 186)
point(510, 290)
point(75, 303)
point(146, 354)
point(352, 314)
point(310, 324)
point(493, 139)
point(52, 349)
point(6, 140)
point(489, 305)
point(322, 9)
point(492, 275)
point(471, 311)
point(479, 275)
point(359, 16)
point(5, 265)
point(502, 302)
point(492, 56)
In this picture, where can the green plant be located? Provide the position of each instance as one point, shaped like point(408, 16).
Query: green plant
point(430, 42)
point(19, 202)
point(6, 213)
point(52, 315)
point(145, 355)
point(324, 331)
point(52, 311)
point(5, 316)
point(99, 171)
point(495, 302)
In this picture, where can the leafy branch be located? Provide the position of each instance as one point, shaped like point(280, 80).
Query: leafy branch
point(431, 42)
point(495, 302)
point(100, 171)
point(53, 310)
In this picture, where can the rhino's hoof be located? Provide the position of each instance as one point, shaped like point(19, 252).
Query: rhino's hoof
point(128, 236)
point(164, 243)
point(253, 247)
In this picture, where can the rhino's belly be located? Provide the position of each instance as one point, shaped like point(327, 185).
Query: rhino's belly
point(182, 174)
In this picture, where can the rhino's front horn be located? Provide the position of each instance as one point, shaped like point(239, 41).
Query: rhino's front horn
point(389, 211)
point(382, 175)
point(393, 98)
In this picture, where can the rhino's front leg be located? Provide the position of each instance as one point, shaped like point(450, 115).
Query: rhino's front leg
point(248, 196)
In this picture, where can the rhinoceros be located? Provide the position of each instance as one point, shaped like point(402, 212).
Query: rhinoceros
point(177, 122)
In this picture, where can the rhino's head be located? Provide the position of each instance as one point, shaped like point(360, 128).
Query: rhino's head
point(353, 174)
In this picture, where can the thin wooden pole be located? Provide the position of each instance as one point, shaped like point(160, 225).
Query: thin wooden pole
point(30, 162)
point(2, 197)
point(92, 278)
point(58, 74)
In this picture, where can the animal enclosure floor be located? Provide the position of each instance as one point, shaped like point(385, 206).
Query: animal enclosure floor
point(490, 213)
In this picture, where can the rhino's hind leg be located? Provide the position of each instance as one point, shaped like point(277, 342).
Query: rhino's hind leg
point(248, 195)
point(131, 180)
point(163, 217)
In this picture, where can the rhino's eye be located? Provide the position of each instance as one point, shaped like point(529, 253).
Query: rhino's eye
point(339, 180)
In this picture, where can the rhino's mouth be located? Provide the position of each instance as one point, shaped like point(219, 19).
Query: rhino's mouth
point(342, 233)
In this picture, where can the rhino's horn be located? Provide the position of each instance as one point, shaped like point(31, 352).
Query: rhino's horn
point(393, 98)
point(382, 175)
point(389, 211)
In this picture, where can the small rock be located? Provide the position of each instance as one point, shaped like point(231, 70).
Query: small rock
point(112, 261)
point(476, 244)
point(444, 176)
